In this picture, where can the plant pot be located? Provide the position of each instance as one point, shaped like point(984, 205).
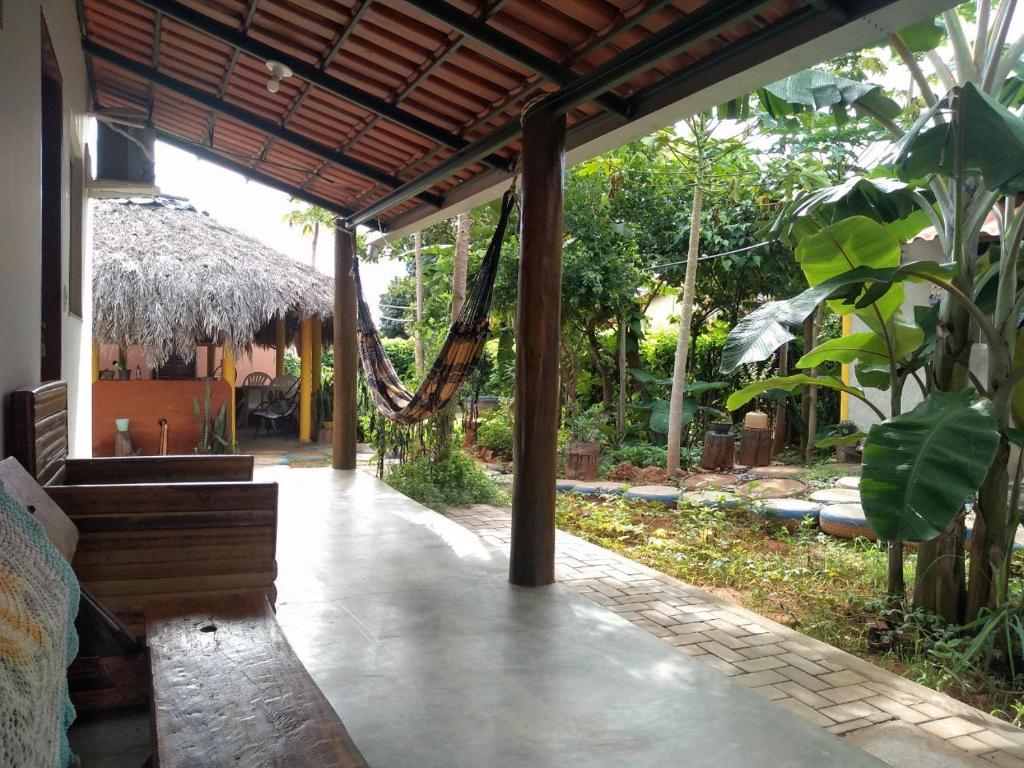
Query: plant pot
point(581, 460)
point(721, 427)
point(124, 375)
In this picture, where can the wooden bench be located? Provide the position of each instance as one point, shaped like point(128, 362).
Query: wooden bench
point(225, 688)
point(39, 418)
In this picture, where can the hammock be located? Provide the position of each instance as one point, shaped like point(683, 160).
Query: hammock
point(457, 358)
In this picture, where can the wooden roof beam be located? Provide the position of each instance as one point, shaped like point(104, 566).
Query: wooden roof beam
point(509, 47)
point(262, 124)
point(204, 152)
point(310, 73)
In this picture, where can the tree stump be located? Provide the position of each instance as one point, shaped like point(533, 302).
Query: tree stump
point(718, 452)
point(756, 447)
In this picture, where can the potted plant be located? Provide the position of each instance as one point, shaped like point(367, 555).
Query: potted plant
point(123, 372)
point(583, 451)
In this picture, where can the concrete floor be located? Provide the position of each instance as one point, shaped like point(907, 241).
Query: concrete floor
point(407, 622)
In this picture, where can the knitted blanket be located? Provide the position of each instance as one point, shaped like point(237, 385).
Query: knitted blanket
point(38, 604)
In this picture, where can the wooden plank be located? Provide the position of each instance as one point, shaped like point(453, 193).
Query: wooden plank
point(99, 685)
point(190, 521)
point(83, 500)
point(39, 419)
point(159, 469)
point(101, 633)
point(152, 570)
point(182, 584)
point(25, 490)
point(228, 690)
point(537, 409)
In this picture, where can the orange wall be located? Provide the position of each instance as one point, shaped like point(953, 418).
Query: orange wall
point(145, 403)
point(262, 359)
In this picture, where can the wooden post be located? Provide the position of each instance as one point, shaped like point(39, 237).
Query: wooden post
point(538, 323)
point(306, 380)
point(281, 343)
point(229, 379)
point(346, 353)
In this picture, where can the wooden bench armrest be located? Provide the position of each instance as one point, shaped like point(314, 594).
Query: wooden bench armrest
point(158, 469)
point(139, 542)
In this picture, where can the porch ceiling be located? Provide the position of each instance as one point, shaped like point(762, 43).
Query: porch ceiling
point(399, 108)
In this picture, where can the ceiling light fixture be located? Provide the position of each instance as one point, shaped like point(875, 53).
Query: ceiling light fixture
point(278, 72)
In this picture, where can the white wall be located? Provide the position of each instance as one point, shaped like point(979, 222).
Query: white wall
point(916, 294)
point(20, 222)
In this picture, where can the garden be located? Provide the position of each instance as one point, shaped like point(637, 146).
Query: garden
point(735, 288)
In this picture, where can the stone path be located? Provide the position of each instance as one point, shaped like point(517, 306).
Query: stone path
point(901, 722)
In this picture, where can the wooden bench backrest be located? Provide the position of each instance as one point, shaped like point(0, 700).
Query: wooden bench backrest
point(39, 417)
point(25, 490)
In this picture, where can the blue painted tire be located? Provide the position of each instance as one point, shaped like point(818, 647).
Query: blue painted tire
point(845, 521)
point(788, 512)
point(660, 494)
point(565, 485)
point(598, 488)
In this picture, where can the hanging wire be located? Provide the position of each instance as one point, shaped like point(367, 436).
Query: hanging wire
point(707, 256)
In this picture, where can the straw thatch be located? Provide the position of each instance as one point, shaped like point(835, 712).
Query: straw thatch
point(166, 277)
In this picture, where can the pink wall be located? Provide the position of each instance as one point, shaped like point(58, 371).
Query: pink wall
point(262, 359)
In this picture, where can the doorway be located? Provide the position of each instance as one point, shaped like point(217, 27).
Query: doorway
point(51, 165)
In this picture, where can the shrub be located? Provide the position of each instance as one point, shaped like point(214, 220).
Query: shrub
point(496, 434)
point(403, 356)
point(640, 455)
point(452, 482)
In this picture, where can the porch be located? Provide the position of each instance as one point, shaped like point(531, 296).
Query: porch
point(407, 622)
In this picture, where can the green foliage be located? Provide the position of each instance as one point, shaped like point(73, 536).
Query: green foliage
point(213, 429)
point(920, 467)
point(402, 353)
point(496, 433)
point(585, 426)
point(449, 482)
point(640, 455)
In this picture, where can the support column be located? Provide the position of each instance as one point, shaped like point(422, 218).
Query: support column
point(95, 361)
point(318, 348)
point(211, 360)
point(228, 371)
point(281, 344)
point(538, 323)
point(346, 353)
point(306, 380)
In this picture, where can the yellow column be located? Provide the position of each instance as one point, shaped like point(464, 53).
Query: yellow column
point(95, 361)
point(306, 381)
point(228, 369)
point(318, 334)
point(281, 343)
point(844, 399)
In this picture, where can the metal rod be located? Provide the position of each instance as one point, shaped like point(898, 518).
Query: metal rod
point(511, 48)
point(310, 73)
point(248, 118)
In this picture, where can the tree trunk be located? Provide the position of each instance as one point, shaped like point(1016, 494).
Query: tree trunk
point(810, 342)
point(781, 416)
point(316, 236)
point(461, 263)
point(417, 334)
point(603, 369)
point(675, 410)
point(620, 413)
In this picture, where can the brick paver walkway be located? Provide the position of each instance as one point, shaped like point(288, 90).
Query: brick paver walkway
point(844, 694)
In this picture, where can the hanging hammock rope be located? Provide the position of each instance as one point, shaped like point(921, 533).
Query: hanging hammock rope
point(458, 356)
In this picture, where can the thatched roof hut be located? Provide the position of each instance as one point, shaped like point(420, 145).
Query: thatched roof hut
point(167, 277)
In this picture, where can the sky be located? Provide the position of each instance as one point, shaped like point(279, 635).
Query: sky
point(259, 212)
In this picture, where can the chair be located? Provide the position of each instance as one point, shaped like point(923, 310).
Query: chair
point(254, 389)
point(270, 412)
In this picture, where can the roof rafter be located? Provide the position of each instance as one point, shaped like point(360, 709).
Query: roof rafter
point(511, 48)
point(699, 26)
point(310, 73)
point(206, 153)
point(262, 124)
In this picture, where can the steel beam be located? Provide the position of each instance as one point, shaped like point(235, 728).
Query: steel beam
point(212, 156)
point(251, 119)
point(308, 72)
point(499, 42)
